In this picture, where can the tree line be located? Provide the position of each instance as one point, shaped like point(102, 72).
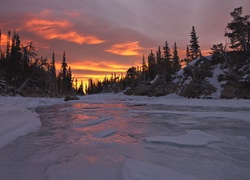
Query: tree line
point(164, 65)
point(23, 72)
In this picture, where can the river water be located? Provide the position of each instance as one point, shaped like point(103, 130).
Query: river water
point(109, 141)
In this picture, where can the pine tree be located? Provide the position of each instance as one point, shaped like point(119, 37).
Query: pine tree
point(151, 65)
point(194, 45)
point(238, 31)
point(52, 76)
point(69, 81)
point(144, 69)
point(80, 89)
point(8, 46)
point(166, 52)
point(176, 59)
point(159, 61)
point(166, 62)
point(64, 74)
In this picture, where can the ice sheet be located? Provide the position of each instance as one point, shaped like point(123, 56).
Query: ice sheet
point(191, 138)
point(104, 133)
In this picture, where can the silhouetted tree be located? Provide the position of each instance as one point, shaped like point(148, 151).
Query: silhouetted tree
point(176, 59)
point(152, 65)
point(144, 69)
point(80, 89)
point(194, 45)
point(64, 74)
point(238, 31)
point(166, 64)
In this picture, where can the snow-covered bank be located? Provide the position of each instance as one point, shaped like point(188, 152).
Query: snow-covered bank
point(171, 99)
point(18, 116)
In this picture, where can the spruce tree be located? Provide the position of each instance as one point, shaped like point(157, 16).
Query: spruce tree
point(159, 60)
point(64, 74)
point(176, 59)
point(238, 31)
point(194, 45)
point(151, 65)
point(166, 63)
point(144, 69)
point(8, 46)
point(52, 71)
point(69, 81)
point(166, 52)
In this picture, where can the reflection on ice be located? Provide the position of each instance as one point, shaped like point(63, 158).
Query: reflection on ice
point(93, 122)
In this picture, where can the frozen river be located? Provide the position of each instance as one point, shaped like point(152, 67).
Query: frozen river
point(120, 140)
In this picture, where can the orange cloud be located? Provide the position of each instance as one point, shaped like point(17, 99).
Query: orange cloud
point(59, 30)
point(126, 49)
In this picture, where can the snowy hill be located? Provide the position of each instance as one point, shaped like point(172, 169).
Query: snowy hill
point(208, 78)
point(205, 77)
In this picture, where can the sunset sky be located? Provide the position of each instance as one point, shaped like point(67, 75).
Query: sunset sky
point(101, 37)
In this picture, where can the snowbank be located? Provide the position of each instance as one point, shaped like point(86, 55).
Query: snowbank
point(17, 116)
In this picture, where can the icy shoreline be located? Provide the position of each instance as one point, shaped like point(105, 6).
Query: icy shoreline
point(18, 116)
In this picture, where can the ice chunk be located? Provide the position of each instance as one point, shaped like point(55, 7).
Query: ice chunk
point(104, 133)
point(139, 170)
point(192, 138)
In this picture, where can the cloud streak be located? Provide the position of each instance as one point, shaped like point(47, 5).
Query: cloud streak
point(126, 49)
point(59, 30)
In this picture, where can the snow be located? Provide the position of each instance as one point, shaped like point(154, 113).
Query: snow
point(214, 81)
point(17, 116)
point(16, 123)
point(134, 169)
point(191, 138)
point(229, 115)
point(154, 80)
